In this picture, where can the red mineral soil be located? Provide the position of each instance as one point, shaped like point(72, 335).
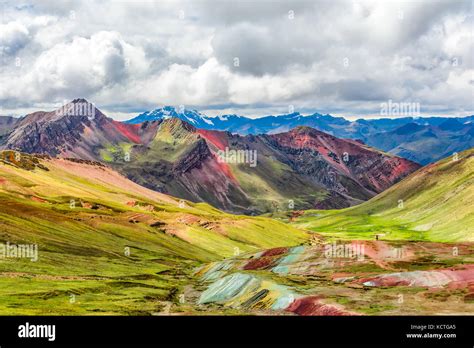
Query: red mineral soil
point(383, 253)
point(188, 219)
point(129, 130)
point(224, 168)
point(399, 167)
point(312, 305)
point(295, 214)
point(218, 139)
point(213, 174)
point(275, 251)
point(260, 263)
point(304, 137)
point(433, 278)
point(140, 217)
point(393, 169)
point(266, 260)
point(38, 199)
point(86, 205)
point(384, 169)
point(108, 177)
point(470, 293)
point(179, 231)
point(443, 249)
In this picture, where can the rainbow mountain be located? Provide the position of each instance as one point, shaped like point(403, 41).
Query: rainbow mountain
point(302, 168)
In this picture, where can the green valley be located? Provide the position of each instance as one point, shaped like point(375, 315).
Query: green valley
point(432, 204)
point(107, 245)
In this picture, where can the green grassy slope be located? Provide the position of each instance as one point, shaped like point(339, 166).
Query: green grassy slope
point(435, 203)
point(107, 245)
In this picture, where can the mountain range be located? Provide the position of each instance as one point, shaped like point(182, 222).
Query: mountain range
point(421, 139)
point(110, 246)
point(304, 167)
point(442, 136)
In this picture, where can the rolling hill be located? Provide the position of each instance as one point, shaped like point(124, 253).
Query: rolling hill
point(434, 204)
point(107, 245)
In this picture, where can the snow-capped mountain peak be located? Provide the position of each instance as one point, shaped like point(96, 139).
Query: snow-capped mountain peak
point(191, 116)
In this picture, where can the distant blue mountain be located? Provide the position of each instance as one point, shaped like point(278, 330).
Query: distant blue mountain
point(241, 124)
point(338, 126)
point(421, 139)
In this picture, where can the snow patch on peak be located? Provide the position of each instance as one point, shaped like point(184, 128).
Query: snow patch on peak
point(208, 121)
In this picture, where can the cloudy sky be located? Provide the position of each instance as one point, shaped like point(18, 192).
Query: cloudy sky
point(247, 57)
